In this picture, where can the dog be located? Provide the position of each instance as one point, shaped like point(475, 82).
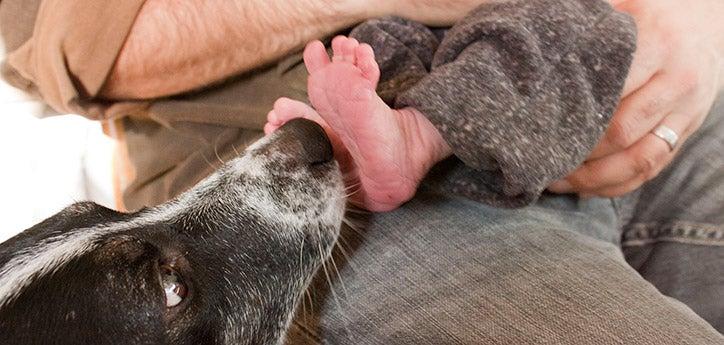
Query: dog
point(224, 263)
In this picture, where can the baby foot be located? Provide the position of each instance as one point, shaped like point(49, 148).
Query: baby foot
point(391, 150)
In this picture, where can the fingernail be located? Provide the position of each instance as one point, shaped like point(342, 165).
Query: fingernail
point(560, 186)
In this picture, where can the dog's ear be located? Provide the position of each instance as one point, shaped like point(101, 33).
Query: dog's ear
point(76, 216)
point(109, 293)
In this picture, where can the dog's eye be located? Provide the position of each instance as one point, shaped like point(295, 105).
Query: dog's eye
point(173, 286)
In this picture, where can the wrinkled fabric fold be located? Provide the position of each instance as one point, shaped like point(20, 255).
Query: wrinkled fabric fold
point(72, 49)
point(521, 90)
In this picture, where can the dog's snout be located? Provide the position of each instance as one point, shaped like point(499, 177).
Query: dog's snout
point(315, 145)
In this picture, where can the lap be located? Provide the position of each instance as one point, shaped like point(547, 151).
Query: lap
point(446, 270)
point(675, 237)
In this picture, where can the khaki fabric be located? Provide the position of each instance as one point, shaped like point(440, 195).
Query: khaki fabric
point(69, 52)
point(62, 51)
point(182, 140)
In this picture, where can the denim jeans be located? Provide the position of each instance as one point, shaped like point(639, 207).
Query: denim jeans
point(673, 228)
point(647, 268)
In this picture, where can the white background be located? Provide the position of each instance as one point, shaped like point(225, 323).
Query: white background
point(49, 163)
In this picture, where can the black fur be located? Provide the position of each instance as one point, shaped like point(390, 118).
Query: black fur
point(245, 270)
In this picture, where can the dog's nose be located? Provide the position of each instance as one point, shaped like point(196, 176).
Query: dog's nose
point(315, 144)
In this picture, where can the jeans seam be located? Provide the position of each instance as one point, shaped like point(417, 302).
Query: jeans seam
point(638, 234)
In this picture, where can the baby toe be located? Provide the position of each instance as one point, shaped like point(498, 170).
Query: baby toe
point(287, 109)
point(315, 56)
point(348, 50)
point(272, 118)
point(270, 128)
point(337, 48)
point(366, 62)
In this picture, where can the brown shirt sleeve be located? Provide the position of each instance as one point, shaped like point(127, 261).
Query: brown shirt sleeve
point(69, 52)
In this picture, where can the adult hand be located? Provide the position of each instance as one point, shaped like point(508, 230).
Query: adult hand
point(675, 76)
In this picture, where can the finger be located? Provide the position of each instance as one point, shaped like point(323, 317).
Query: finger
point(613, 170)
point(648, 57)
point(684, 121)
point(593, 175)
point(621, 189)
point(639, 113)
point(703, 90)
point(315, 56)
point(640, 162)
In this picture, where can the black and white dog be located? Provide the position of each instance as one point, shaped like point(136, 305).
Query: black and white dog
point(224, 263)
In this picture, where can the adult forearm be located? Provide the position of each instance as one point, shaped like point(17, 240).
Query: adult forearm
point(434, 12)
point(179, 46)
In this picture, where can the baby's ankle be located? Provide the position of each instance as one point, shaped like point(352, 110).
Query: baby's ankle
point(425, 142)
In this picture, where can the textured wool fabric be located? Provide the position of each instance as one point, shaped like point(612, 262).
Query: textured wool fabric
point(521, 90)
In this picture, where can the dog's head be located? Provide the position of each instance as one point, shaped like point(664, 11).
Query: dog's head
point(224, 263)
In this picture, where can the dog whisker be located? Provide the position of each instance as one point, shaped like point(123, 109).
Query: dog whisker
point(339, 276)
point(353, 185)
point(357, 210)
point(329, 282)
point(304, 310)
point(210, 164)
point(216, 152)
point(236, 152)
point(301, 258)
point(354, 227)
point(311, 302)
point(349, 194)
point(335, 296)
point(344, 253)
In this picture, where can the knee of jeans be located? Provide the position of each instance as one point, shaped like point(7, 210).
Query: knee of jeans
point(449, 280)
point(555, 247)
